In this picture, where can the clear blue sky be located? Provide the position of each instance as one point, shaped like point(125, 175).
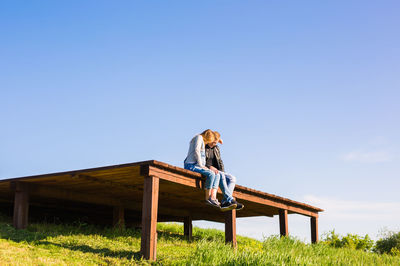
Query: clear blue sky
point(305, 94)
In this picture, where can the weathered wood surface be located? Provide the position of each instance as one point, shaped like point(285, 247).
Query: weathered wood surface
point(21, 205)
point(122, 185)
point(188, 227)
point(230, 228)
point(149, 218)
point(283, 222)
point(314, 230)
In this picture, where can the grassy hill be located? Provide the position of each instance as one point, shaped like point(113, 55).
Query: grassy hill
point(81, 244)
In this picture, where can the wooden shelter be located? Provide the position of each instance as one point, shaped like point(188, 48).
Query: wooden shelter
point(139, 193)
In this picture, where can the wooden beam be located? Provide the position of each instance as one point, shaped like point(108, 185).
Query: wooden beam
point(119, 217)
point(21, 205)
point(148, 247)
point(269, 202)
point(314, 229)
point(173, 177)
point(230, 228)
point(177, 173)
point(187, 227)
point(198, 183)
point(283, 222)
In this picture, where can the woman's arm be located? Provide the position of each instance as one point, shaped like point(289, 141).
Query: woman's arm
point(198, 144)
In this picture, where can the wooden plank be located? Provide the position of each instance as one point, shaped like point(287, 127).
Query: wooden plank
point(188, 227)
point(268, 202)
point(175, 169)
point(148, 247)
point(230, 228)
point(21, 205)
point(314, 229)
point(283, 222)
point(119, 217)
point(276, 198)
point(99, 170)
point(127, 176)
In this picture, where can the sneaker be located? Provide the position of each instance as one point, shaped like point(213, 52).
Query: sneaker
point(239, 206)
point(213, 203)
point(219, 204)
point(216, 202)
point(227, 206)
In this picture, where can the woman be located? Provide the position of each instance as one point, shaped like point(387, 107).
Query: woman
point(196, 162)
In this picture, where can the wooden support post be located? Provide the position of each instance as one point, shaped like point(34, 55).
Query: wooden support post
point(314, 229)
point(119, 217)
point(187, 228)
point(148, 247)
point(230, 228)
point(21, 205)
point(283, 222)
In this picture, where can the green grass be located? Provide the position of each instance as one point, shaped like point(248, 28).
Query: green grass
point(80, 244)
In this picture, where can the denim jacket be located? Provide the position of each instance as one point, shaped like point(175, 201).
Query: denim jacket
point(197, 152)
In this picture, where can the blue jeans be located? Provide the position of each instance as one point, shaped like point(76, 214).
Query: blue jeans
point(212, 179)
point(227, 185)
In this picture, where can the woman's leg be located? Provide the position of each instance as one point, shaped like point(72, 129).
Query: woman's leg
point(230, 182)
point(214, 186)
point(210, 177)
point(230, 186)
point(225, 188)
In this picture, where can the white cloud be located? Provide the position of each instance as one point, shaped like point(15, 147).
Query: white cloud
point(349, 209)
point(367, 157)
point(352, 216)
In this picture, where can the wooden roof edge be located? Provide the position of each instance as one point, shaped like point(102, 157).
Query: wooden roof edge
point(275, 197)
point(241, 188)
point(175, 169)
point(78, 171)
point(72, 172)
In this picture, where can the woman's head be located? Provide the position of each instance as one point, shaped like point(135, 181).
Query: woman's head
point(218, 137)
point(214, 143)
point(208, 136)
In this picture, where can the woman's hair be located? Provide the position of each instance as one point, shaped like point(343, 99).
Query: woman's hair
point(208, 136)
point(217, 135)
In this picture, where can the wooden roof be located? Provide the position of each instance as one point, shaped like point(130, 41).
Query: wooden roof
point(180, 192)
